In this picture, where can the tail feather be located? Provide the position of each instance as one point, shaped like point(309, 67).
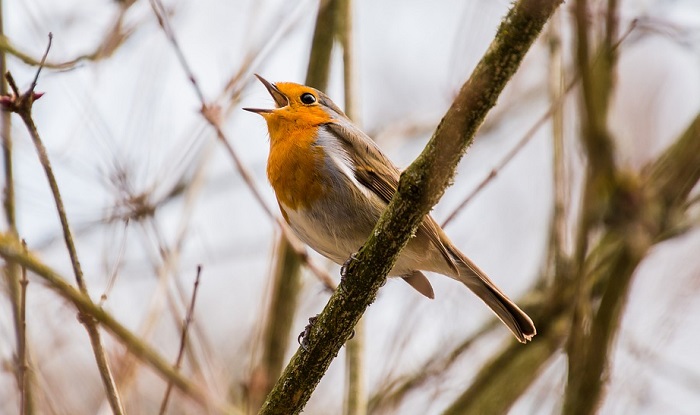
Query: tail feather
point(507, 311)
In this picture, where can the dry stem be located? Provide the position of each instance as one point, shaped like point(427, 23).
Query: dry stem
point(183, 340)
point(22, 105)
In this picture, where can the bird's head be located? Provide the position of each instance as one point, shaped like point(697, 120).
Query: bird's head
point(297, 104)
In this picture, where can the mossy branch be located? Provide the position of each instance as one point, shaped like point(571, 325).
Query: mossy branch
point(420, 187)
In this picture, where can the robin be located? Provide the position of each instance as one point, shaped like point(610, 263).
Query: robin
point(332, 183)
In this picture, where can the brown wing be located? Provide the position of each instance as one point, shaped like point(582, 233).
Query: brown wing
point(376, 172)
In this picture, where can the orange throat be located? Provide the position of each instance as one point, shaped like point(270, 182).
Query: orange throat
point(294, 164)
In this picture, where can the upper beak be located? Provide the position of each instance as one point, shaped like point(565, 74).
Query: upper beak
point(280, 99)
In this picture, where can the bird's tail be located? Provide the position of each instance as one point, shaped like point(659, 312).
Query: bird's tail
point(510, 314)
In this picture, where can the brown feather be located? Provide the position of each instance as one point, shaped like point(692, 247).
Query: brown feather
point(420, 283)
point(381, 176)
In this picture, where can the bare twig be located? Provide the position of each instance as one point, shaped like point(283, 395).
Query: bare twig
point(114, 37)
point(164, 22)
point(11, 250)
point(495, 389)
point(164, 265)
point(112, 279)
point(393, 391)
point(22, 105)
point(22, 355)
point(558, 229)
point(513, 152)
point(183, 340)
point(9, 191)
point(16, 292)
point(41, 64)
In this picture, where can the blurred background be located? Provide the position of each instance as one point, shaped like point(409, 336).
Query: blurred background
point(151, 193)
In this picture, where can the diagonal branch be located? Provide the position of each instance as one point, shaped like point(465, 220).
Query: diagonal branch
point(420, 187)
point(183, 340)
point(11, 249)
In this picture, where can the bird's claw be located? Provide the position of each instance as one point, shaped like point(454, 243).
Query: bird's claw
point(303, 337)
point(346, 264)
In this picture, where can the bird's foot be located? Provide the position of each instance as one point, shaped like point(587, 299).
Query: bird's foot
point(346, 264)
point(303, 338)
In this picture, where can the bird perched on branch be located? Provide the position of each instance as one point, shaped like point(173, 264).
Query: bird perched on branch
point(332, 183)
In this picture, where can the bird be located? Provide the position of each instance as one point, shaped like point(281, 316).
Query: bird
point(332, 183)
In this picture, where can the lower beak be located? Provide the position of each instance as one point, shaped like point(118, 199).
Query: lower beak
point(258, 110)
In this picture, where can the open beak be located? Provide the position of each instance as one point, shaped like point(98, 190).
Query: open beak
point(280, 99)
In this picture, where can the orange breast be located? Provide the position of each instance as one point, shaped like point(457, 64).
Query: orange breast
point(294, 166)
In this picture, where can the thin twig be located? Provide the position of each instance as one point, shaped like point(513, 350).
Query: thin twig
point(115, 36)
point(115, 269)
point(183, 340)
point(164, 22)
point(41, 64)
point(512, 152)
point(164, 265)
point(11, 250)
point(170, 255)
point(22, 105)
point(558, 229)
point(9, 190)
point(393, 391)
point(22, 358)
point(11, 270)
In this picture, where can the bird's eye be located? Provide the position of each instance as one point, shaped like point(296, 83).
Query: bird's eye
point(307, 98)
